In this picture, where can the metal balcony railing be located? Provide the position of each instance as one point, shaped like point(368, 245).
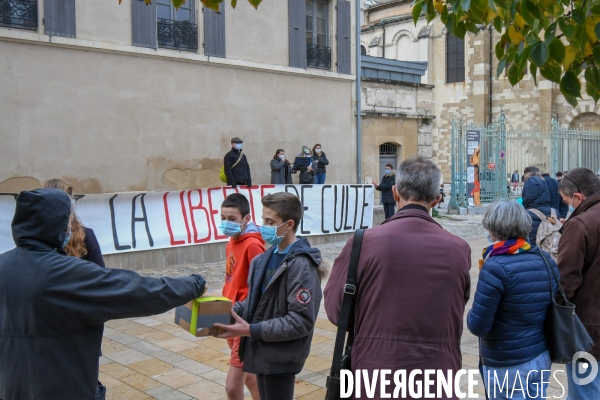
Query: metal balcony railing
point(178, 35)
point(20, 14)
point(318, 56)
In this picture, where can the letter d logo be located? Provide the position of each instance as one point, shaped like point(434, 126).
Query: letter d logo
point(591, 361)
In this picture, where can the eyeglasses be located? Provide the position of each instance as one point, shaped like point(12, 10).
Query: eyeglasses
point(573, 182)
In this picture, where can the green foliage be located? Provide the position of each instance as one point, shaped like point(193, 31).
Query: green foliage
point(558, 38)
point(213, 4)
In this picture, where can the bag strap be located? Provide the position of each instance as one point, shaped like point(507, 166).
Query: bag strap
point(238, 160)
point(537, 212)
point(347, 304)
point(548, 269)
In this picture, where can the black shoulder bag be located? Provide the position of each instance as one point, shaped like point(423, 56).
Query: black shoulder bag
point(565, 334)
point(341, 356)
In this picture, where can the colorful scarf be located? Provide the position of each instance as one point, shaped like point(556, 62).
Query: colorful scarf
point(511, 246)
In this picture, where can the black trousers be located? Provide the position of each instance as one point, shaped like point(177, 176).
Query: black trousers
point(276, 387)
point(388, 209)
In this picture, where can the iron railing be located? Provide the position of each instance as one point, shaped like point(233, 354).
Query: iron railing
point(178, 35)
point(504, 149)
point(19, 14)
point(318, 56)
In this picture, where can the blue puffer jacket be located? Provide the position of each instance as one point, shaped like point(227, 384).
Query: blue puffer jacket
point(536, 195)
point(510, 306)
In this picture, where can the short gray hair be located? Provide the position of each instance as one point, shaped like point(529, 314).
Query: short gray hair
point(418, 179)
point(506, 219)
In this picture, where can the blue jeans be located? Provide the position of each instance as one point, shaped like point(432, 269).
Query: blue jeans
point(582, 392)
point(320, 179)
point(527, 376)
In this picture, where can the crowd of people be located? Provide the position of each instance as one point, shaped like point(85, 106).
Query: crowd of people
point(56, 293)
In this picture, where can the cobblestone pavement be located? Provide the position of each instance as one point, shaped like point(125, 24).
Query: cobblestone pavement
point(145, 358)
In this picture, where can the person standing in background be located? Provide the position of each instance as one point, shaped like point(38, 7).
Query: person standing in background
point(281, 170)
point(321, 160)
point(515, 179)
point(385, 187)
point(236, 165)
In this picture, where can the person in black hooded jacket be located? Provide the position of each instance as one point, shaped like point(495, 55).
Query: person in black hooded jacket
point(53, 306)
point(536, 195)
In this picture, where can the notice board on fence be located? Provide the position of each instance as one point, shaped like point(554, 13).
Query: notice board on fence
point(473, 160)
point(135, 221)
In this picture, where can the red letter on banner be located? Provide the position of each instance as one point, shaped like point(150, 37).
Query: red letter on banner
point(214, 212)
point(187, 226)
point(168, 220)
point(198, 207)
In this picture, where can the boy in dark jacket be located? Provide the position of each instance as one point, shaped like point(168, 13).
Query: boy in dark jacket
point(277, 319)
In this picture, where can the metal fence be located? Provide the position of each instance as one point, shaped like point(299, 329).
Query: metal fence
point(485, 156)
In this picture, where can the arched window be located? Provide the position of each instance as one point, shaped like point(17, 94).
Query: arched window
point(363, 51)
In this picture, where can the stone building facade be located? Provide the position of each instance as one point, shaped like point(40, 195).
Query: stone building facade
point(389, 32)
point(116, 98)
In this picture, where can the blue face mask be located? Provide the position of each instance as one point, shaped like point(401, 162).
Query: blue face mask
point(230, 229)
point(489, 238)
point(387, 171)
point(67, 238)
point(269, 234)
point(571, 208)
point(238, 146)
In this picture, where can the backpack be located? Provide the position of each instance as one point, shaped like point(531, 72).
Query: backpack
point(547, 236)
point(222, 174)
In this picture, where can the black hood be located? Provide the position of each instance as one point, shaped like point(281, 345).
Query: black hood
point(536, 193)
point(41, 215)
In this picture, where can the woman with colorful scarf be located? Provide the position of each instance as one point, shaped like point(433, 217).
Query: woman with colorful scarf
point(510, 307)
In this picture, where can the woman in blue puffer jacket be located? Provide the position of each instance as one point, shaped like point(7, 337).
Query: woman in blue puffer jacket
point(510, 306)
point(536, 195)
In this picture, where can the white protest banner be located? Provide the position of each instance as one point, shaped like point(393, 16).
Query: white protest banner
point(135, 221)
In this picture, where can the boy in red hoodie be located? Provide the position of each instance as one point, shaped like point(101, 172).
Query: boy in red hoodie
point(246, 243)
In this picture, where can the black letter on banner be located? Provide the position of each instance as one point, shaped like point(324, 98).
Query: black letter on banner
point(114, 225)
point(362, 214)
point(293, 187)
point(356, 187)
point(144, 219)
point(347, 202)
point(323, 230)
point(335, 190)
point(304, 208)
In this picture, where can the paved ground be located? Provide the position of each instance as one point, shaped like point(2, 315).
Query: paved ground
point(147, 358)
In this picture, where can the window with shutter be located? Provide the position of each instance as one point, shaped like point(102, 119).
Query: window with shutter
point(59, 18)
point(297, 32)
point(214, 32)
point(344, 43)
point(455, 59)
point(318, 52)
point(176, 28)
point(143, 24)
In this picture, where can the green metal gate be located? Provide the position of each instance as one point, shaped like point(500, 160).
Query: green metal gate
point(502, 151)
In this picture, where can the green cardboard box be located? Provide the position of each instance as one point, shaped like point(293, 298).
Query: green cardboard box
point(199, 316)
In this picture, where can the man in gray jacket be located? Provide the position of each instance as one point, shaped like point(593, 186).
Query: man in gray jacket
point(277, 319)
point(53, 306)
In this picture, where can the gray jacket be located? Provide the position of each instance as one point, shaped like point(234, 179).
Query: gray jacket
point(281, 172)
point(282, 319)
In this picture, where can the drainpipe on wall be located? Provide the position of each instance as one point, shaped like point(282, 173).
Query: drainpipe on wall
point(490, 73)
point(358, 95)
point(383, 39)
